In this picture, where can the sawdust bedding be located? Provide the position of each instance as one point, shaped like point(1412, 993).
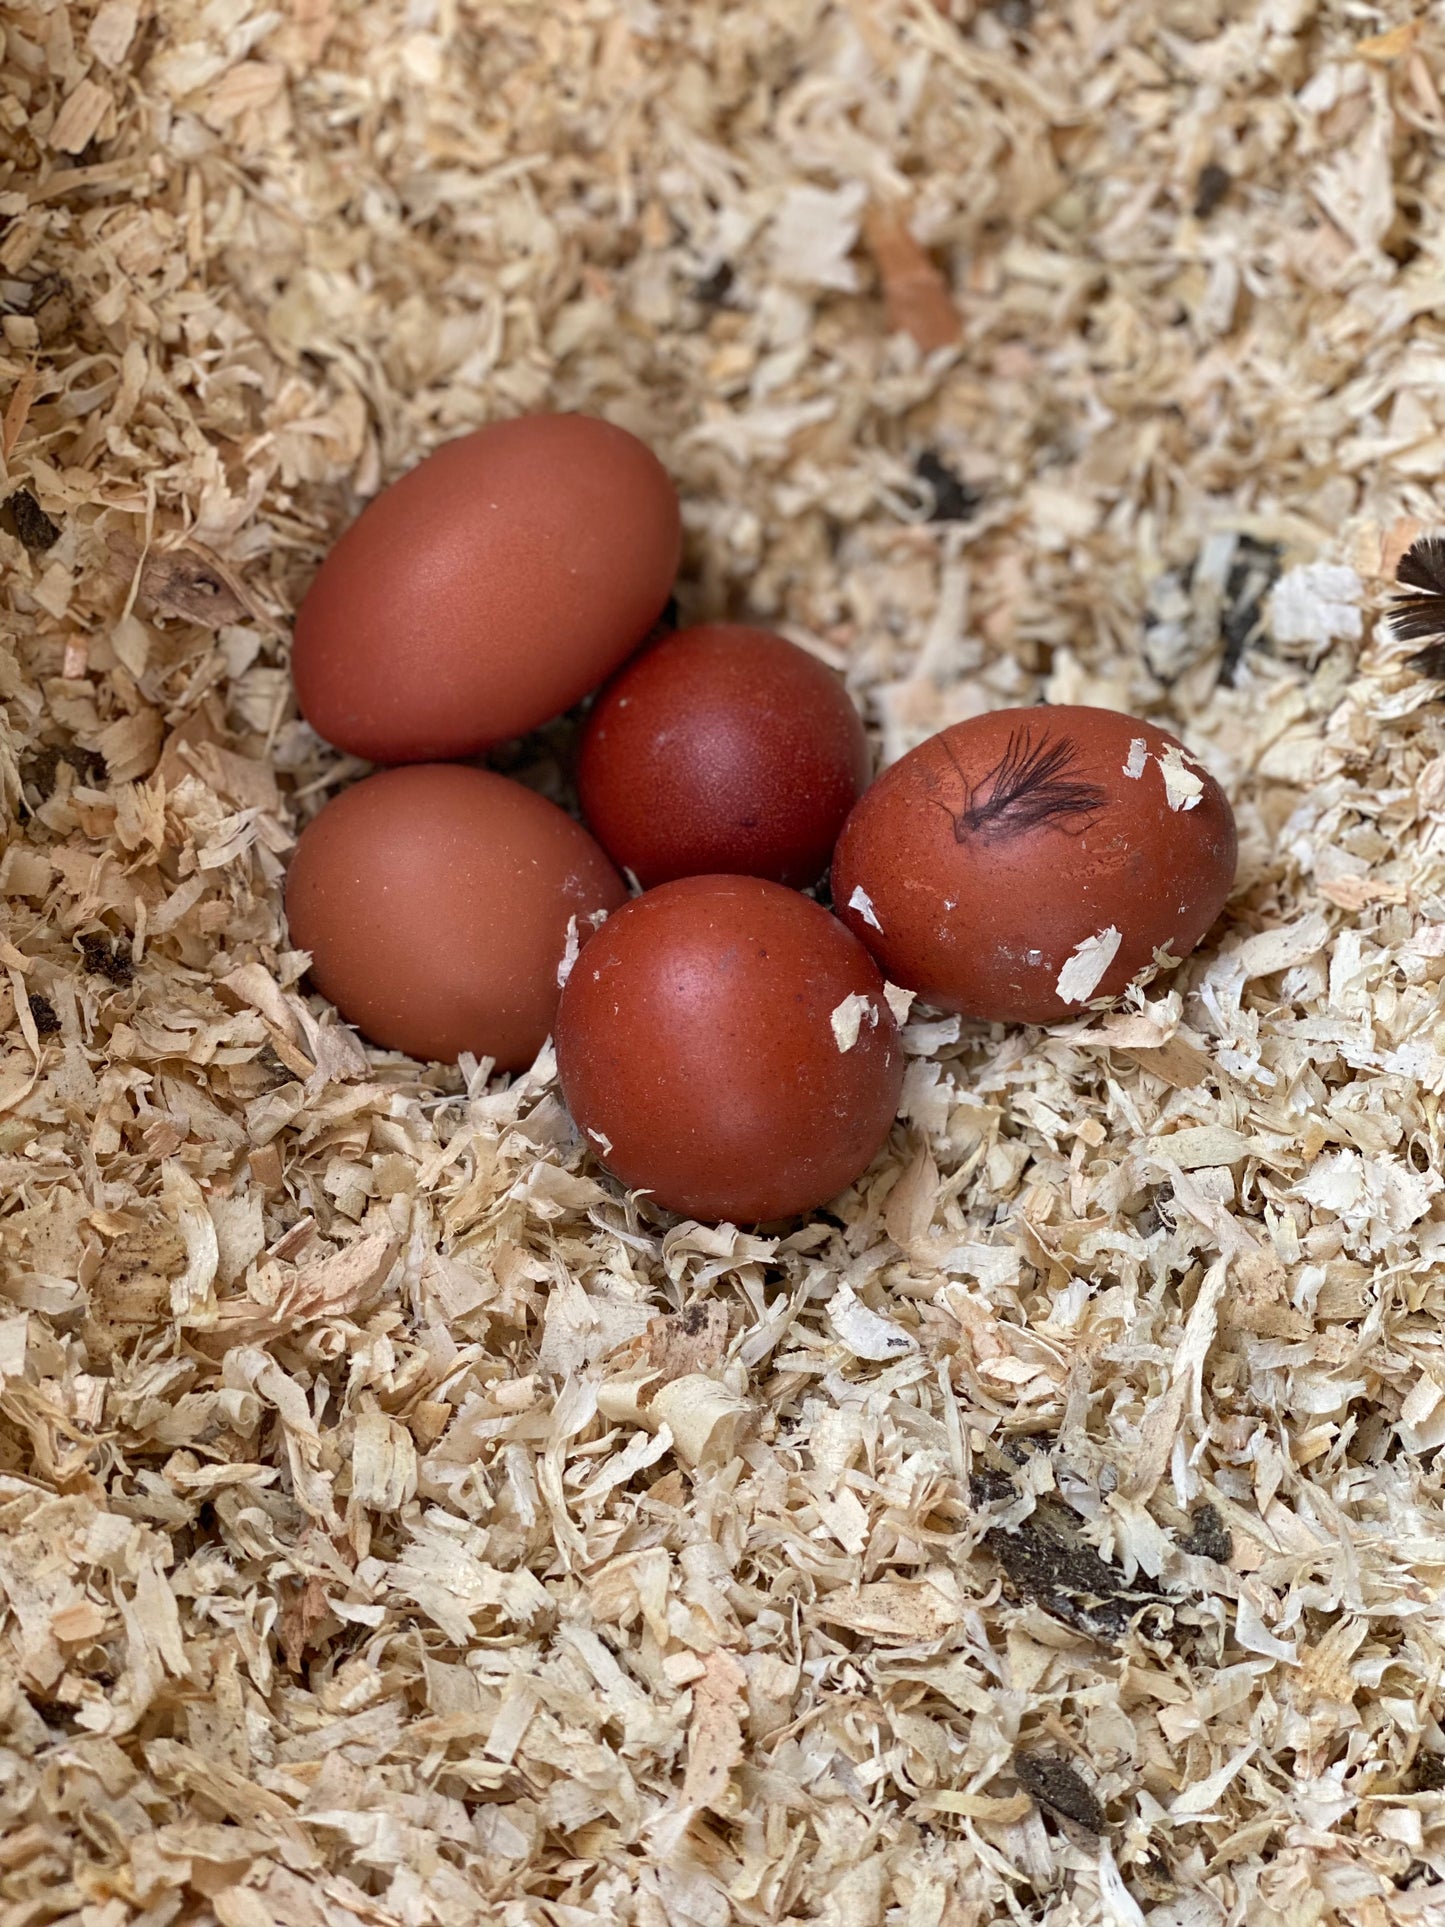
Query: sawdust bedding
point(398, 1525)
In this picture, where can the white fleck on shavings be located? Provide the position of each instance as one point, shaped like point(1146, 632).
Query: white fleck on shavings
point(1375, 1199)
point(847, 1020)
point(865, 1333)
point(569, 953)
point(1181, 786)
point(601, 1140)
point(1315, 604)
point(814, 232)
point(900, 1001)
point(996, 1267)
point(1138, 757)
point(1080, 976)
point(863, 904)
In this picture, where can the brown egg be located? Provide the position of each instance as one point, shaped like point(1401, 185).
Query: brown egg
point(436, 903)
point(722, 749)
point(488, 590)
point(726, 1045)
point(1030, 862)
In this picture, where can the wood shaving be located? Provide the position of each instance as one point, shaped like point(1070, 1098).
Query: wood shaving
point(399, 1525)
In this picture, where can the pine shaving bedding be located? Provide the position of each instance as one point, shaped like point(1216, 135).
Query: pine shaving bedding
point(397, 1524)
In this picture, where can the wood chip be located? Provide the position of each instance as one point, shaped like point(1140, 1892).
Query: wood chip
point(916, 296)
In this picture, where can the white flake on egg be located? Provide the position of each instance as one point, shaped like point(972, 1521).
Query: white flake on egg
point(1138, 757)
point(900, 1001)
point(863, 904)
point(847, 1020)
point(1082, 973)
point(1182, 787)
point(569, 953)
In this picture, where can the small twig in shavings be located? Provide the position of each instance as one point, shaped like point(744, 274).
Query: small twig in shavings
point(1028, 788)
point(1419, 615)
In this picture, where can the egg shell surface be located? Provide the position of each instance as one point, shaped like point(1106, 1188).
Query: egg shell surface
point(1027, 863)
point(487, 590)
point(726, 1045)
point(436, 901)
point(722, 749)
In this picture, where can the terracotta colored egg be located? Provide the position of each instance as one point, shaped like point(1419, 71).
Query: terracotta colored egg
point(726, 1045)
point(488, 590)
point(1025, 864)
point(722, 749)
point(435, 903)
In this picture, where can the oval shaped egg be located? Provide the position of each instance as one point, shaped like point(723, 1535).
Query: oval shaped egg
point(436, 902)
point(489, 589)
point(722, 748)
point(726, 1045)
point(1024, 864)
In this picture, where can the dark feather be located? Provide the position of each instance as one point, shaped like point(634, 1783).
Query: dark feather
point(1419, 615)
point(1027, 788)
point(1413, 617)
point(1422, 566)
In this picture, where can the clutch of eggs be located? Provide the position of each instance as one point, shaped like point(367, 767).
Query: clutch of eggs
point(725, 1044)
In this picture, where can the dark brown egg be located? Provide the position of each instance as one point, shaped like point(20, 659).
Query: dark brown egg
point(488, 590)
point(722, 749)
point(1025, 864)
point(726, 1046)
point(436, 904)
